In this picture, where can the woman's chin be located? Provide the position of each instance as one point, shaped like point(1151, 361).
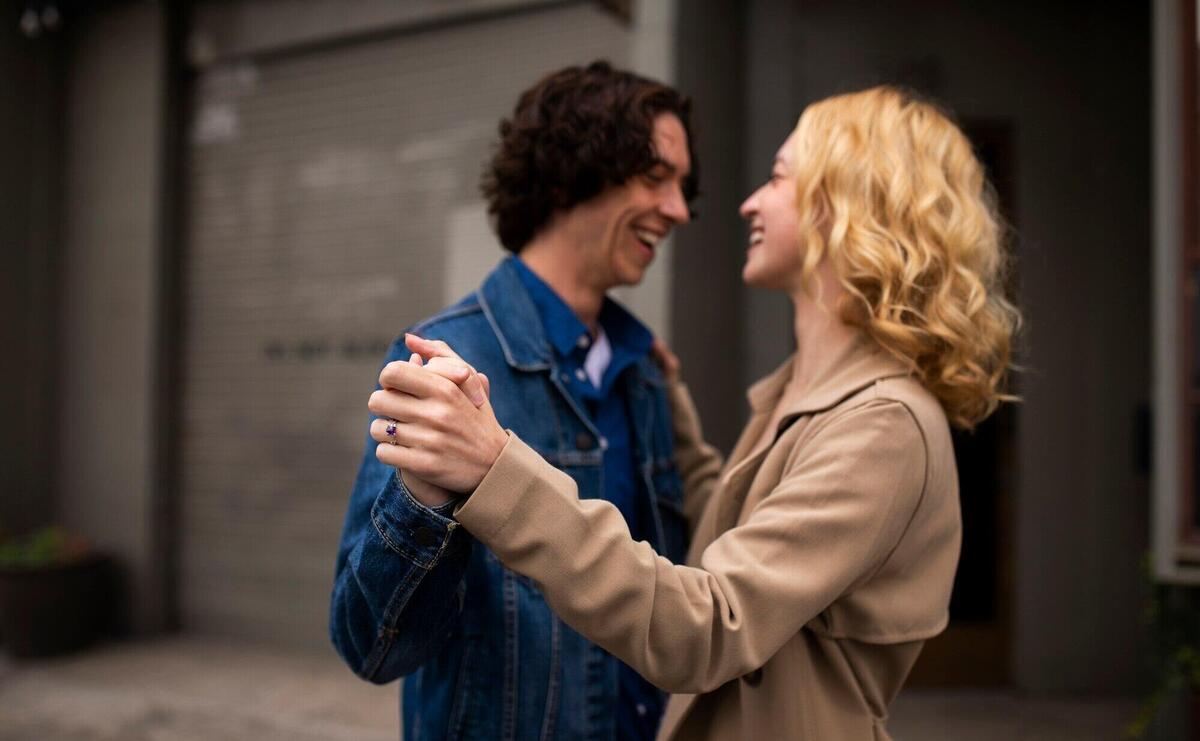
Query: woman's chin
point(754, 277)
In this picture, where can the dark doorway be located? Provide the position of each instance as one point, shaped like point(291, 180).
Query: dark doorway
point(975, 649)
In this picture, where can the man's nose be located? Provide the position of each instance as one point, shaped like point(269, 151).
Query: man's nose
point(674, 206)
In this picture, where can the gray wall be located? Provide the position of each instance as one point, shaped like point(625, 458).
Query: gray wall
point(105, 452)
point(1073, 80)
point(30, 111)
point(332, 200)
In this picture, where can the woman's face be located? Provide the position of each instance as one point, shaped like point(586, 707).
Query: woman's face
point(773, 255)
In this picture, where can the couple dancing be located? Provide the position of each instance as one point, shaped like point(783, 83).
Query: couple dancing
point(539, 537)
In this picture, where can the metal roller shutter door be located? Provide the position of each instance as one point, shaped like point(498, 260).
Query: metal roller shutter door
point(332, 199)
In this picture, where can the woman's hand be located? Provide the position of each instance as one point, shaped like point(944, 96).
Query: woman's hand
point(428, 427)
point(458, 372)
point(667, 361)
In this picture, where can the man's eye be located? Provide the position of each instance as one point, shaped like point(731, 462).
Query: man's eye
point(655, 177)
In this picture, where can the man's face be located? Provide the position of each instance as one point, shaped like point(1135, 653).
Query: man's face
point(620, 230)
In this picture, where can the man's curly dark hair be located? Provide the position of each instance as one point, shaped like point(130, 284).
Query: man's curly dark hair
point(575, 133)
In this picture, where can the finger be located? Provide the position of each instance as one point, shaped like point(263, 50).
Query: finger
point(416, 359)
point(395, 455)
point(390, 404)
point(487, 385)
point(473, 388)
point(419, 463)
point(452, 370)
point(414, 380)
point(667, 361)
point(461, 374)
point(429, 348)
point(662, 352)
point(395, 432)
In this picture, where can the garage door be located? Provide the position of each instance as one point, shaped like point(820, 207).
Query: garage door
point(332, 199)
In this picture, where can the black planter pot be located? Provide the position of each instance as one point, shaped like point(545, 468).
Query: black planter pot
point(56, 609)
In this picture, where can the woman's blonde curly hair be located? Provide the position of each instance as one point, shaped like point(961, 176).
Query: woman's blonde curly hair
point(889, 190)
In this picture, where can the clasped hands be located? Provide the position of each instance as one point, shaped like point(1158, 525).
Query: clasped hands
point(435, 419)
point(444, 436)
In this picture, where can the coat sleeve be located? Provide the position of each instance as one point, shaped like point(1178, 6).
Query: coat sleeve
point(699, 463)
point(840, 508)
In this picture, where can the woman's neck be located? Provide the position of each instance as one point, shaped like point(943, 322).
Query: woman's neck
point(821, 335)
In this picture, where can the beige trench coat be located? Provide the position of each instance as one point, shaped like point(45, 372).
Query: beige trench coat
point(820, 562)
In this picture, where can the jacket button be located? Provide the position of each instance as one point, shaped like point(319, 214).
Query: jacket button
point(425, 537)
point(754, 678)
point(584, 441)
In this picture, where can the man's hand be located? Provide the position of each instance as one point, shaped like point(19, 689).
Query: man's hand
point(428, 427)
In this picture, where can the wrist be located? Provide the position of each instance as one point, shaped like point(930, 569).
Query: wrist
point(424, 492)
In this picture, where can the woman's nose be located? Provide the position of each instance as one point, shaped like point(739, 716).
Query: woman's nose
point(749, 206)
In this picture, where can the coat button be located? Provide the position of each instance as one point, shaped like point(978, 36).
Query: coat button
point(425, 537)
point(754, 678)
point(584, 441)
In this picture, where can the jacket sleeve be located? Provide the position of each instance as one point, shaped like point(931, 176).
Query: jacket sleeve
point(841, 507)
point(698, 462)
point(398, 583)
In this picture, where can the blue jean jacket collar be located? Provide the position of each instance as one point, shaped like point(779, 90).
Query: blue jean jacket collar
point(515, 320)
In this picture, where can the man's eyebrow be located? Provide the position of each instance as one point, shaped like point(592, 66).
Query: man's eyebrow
point(660, 162)
point(672, 169)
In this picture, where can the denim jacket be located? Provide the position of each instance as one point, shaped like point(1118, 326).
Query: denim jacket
point(415, 595)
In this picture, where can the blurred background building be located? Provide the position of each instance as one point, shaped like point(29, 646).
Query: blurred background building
point(215, 216)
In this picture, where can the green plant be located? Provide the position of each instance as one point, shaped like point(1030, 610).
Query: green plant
point(48, 546)
point(1172, 618)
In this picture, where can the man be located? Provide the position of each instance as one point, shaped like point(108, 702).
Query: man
point(593, 170)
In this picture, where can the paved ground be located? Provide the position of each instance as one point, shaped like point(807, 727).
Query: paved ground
point(187, 689)
point(192, 690)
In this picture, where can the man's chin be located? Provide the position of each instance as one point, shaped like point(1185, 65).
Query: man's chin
point(630, 272)
point(633, 277)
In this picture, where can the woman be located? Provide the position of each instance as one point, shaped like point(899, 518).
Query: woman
point(823, 553)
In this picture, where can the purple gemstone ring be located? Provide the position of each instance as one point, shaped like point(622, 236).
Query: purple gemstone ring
point(391, 431)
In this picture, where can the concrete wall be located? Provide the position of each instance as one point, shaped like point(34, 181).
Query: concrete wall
point(30, 112)
point(105, 457)
point(332, 199)
point(1073, 81)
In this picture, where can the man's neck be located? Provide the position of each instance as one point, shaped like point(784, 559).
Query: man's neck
point(557, 263)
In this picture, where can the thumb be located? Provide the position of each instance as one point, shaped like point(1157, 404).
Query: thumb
point(429, 349)
point(460, 374)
